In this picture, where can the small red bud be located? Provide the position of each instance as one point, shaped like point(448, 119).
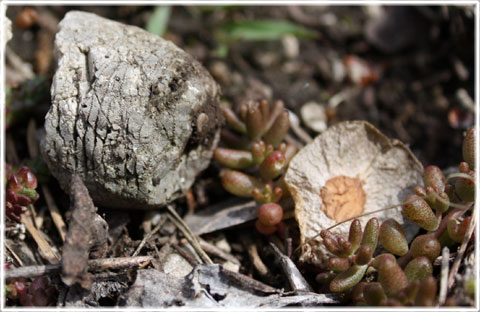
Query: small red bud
point(30, 180)
point(463, 167)
point(270, 214)
point(14, 183)
point(265, 229)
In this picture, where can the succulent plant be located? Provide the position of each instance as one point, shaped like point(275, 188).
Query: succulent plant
point(255, 144)
point(37, 293)
point(436, 207)
point(20, 190)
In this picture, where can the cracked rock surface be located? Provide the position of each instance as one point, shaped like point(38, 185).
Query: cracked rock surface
point(133, 115)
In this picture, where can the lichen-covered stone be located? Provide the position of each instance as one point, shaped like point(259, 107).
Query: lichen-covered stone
point(132, 114)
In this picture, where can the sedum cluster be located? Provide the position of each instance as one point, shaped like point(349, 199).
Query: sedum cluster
point(257, 157)
point(37, 293)
point(404, 273)
point(20, 190)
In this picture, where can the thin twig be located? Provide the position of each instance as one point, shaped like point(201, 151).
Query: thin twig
point(442, 295)
point(461, 251)
point(52, 207)
point(193, 262)
point(93, 265)
point(217, 252)
point(295, 278)
point(298, 130)
point(54, 212)
point(148, 236)
point(252, 250)
point(44, 248)
point(192, 239)
point(14, 255)
point(191, 204)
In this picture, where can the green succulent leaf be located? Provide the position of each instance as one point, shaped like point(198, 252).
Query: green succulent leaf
point(418, 268)
point(433, 176)
point(465, 188)
point(427, 291)
point(349, 278)
point(374, 294)
point(417, 210)
point(363, 255)
point(239, 183)
point(393, 237)
point(233, 120)
point(390, 274)
point(234, 159)
point(279, 129)
point(273, 165)
point(254, 121)
point(337, 264)
point(456, 230)
point(425, 245)
point(468, 147)
point(370, 234)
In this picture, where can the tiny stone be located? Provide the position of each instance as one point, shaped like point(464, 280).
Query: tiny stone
point(133, 115)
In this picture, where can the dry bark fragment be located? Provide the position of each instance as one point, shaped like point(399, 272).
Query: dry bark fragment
point(87, 234)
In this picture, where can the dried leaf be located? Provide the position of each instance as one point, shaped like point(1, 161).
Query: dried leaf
point(355, 159)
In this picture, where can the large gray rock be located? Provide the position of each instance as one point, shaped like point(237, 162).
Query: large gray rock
point(132, 114)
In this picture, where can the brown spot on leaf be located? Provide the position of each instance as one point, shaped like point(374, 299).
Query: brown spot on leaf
point(343, 197)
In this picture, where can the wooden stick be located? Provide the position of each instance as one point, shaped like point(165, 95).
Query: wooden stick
point(217, 252)
point(192, 239)
point(148, 236)
point(52, 207)
point(55, 213)
point(44, 248)
point(93, 265)
point(442, 295)
point(14, 255)
point(254, 256)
